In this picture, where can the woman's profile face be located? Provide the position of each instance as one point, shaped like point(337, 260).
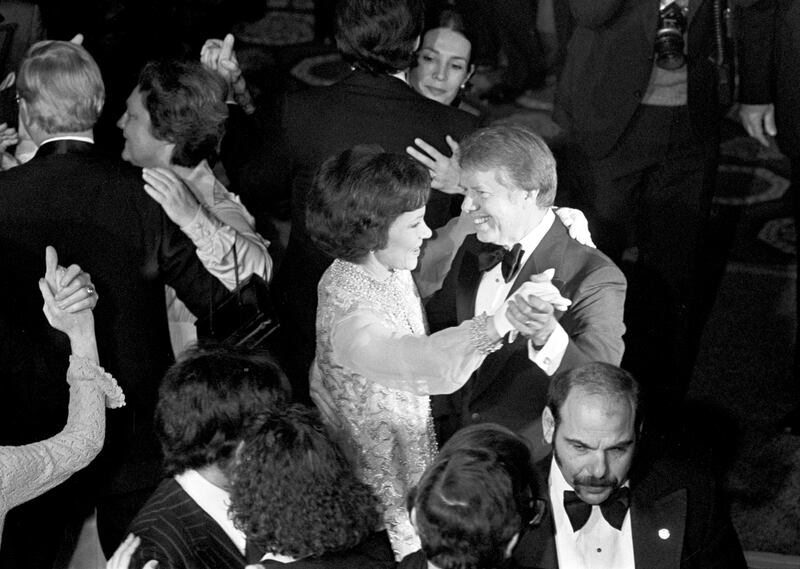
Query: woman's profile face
point(406, 234)
point(442, 65)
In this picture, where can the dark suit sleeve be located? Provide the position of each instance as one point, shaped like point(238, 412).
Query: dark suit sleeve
point(254, 153)
point(594, 321)
point(183, 271)
point(171, 255)
point(596, 13)
point(755, 32)
point(711, 540)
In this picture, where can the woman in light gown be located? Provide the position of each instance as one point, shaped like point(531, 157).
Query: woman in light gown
point(375, 364)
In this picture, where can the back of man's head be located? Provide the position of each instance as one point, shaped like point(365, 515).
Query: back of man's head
point(61, 88)
point(210, 399)
point(379, 35)
point(465, 511)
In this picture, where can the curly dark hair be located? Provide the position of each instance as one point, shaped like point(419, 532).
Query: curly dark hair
point(357, 195)
point(464, 511)
point(187, 107)
point(379, 35)
point(209, 399)
point(294, 493)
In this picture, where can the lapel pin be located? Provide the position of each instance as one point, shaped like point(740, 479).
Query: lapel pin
point(663, 533)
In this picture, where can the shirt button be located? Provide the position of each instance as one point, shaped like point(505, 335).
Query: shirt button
point(476, 417)
point(547, 361)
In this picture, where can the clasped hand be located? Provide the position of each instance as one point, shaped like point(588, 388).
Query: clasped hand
point(531, 309)
point(67, 294)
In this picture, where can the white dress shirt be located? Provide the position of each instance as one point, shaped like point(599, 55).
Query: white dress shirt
point(493, 291)
point(597, 545)
point(214, 501)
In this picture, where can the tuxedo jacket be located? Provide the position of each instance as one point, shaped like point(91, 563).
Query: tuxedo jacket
point(609, 61)
point(179, 534)
point(769, 56)
point(679, 520)
point(94, 211)
point(508, 388)
point(311, 126)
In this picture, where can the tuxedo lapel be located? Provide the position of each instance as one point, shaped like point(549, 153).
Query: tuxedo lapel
point(469, 277)
point(658, 529)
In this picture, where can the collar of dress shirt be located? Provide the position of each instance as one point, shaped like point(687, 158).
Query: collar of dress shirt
point(88, 139)
point(214, 501)
point(493, 289)
point(531, 241)
point(572, 548)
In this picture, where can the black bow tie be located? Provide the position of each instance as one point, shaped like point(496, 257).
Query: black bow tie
point(492, 255)
point(613, 509)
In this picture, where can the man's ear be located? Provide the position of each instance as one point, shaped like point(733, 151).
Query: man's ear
point(412, 515)
point(548, 425)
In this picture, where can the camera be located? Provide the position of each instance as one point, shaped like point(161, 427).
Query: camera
point(669, 37)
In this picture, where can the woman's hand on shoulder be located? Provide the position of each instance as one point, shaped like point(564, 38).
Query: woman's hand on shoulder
point(122, 556)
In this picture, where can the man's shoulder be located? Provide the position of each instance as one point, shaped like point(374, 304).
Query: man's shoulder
point(168, 500)
point(577, 259)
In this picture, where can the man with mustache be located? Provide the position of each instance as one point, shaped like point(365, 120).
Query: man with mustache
point(610, 503)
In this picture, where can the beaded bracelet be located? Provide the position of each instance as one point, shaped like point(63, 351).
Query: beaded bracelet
point(479, 338)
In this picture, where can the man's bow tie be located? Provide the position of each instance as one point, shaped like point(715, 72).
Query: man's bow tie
point(491, 256)
point(613, 509)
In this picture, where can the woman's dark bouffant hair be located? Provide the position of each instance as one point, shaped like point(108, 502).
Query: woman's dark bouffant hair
point(294, 493)
point(207, 401)
point(357, 194)
point(186, 103)
point(379, 35)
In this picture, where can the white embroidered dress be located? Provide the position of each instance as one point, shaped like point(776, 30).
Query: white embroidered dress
point(378, 366)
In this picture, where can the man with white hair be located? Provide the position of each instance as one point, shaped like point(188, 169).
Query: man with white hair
point(94, 210)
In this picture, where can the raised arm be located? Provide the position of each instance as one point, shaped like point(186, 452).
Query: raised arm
point(32, 469)
point(214, 228)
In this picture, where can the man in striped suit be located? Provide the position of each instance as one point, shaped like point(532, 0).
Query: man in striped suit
point(207, 402)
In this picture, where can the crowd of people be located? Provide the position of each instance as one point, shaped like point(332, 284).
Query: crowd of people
point(449, 386)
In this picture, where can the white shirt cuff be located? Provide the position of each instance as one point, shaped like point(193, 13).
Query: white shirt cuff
point(550, 355)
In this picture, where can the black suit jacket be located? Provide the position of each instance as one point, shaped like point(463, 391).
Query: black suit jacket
point(179, 534)
point(94, 210)
point(669, 492)
point(313, 125)
point(769, 53)
point(608, 66)
point(508, 388)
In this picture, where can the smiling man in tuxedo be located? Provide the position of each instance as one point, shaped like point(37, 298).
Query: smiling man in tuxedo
point(572, 308)
point(611, 504)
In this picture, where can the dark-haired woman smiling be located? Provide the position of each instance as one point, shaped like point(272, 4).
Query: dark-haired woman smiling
point(375, 364)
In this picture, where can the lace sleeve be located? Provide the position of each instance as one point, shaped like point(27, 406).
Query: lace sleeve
point(83, 369)
point(32, 469)
point(423, 365)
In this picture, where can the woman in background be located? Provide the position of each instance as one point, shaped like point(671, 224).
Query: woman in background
point(444, 62)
